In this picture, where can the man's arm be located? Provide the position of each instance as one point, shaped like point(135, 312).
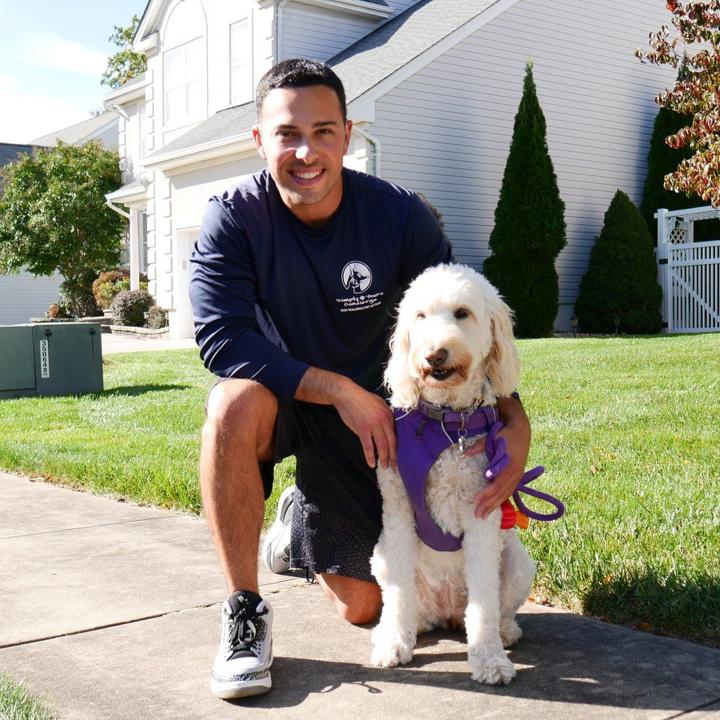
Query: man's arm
point(517, 434)
point(223, 296)
point(365, 413)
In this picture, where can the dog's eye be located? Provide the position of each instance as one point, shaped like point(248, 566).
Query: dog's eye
point(420, 316)
point(461, 314)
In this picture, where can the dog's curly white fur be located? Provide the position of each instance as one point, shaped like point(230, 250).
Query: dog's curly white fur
point(453, 346)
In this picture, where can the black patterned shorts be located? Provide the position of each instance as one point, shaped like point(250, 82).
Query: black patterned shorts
point(337, 508)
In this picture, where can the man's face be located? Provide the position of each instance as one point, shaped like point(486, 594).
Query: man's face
point(303, 138)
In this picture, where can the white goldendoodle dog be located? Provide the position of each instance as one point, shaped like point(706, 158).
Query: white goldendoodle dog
point(452, 355)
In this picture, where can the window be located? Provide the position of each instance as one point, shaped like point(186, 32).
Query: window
point(241, 72)
point(184, 68)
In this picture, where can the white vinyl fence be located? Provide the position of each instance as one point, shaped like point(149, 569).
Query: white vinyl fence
point(688, 272)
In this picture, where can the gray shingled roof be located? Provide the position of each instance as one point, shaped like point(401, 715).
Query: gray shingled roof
point(362, 65)
point(12, 151)
point(224, 124)
point(396, 42)
point(79, 131)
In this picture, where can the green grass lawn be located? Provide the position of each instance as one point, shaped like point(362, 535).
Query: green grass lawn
point(626, 427)
point(17, 703)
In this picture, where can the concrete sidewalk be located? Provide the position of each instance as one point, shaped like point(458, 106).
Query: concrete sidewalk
point(110, 610)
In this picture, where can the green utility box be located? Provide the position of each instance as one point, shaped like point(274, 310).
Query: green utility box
point(50, 359)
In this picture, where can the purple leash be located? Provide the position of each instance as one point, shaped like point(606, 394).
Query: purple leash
point(498, 459)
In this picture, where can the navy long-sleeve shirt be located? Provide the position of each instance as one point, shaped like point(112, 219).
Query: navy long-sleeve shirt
point(272, 296)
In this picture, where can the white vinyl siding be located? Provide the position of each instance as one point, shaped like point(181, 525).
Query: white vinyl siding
point(319, 33)
point(446, 131)
point(241, 72)
point(23, 297)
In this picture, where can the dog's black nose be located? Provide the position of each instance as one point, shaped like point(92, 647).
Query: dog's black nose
point(438, 358)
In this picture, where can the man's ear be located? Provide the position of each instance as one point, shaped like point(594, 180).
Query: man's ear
point(257, 137)
point(348, 133)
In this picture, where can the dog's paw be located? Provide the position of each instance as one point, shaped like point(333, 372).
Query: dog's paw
point(510, 632)
point(491, 668)
point(391, 647)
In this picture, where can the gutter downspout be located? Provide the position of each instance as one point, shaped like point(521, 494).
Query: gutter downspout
point(117, 209)
point(376, 153)
point(277, 34)
point(118, 109)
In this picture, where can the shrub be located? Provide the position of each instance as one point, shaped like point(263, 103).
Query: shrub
point(110, 282)
point(129, 307)
point(58, 310)
point(156, 317)
point(529, 227)
point(432, 208)
point(620, 284)
point(104, 285)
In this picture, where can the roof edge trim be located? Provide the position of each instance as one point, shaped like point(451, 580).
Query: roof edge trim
point(356, 7)
point(198, 153)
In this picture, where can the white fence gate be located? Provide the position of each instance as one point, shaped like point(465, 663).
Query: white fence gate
point(688, 272)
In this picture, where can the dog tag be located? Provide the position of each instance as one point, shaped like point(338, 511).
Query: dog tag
point(461, 442)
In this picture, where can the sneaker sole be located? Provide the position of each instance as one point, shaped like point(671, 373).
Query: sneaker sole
point(242, 688)
point(230, 691)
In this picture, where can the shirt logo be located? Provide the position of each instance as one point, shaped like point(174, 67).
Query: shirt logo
point(356, 276)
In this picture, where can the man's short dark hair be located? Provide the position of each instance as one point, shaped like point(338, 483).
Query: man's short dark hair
point(299, 72)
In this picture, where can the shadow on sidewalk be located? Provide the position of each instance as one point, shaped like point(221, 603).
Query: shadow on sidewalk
point(562, 658)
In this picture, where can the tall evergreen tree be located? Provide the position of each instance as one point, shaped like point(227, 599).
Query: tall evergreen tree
point(529, 227)
point(620, 290)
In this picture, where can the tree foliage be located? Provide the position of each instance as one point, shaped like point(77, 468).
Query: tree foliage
point(695, 41)
point(619, 290)
point(662, 160)
point(125, 64)
point(54, 217)
point(529, 227)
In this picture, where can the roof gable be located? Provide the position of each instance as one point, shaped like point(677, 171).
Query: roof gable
point(399, 41)
point(380, 57)
point(79, 132)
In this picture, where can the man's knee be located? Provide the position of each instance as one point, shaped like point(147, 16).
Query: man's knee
point(357, 601)
point(242, 413)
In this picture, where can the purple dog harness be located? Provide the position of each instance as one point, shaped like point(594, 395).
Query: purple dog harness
point(423, 433)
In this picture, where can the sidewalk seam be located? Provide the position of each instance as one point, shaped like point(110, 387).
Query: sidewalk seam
point(120, 623)
point(692, 710)
point(89, 527)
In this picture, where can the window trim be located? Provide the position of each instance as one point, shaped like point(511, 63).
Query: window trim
point(251, 60)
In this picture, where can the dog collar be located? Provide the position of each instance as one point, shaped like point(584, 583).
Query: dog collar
point(478, 418)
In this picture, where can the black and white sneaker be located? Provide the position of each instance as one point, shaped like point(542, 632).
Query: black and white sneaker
point(242, 664)
point(276, 545)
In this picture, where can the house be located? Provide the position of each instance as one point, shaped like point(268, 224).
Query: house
point(432, 88)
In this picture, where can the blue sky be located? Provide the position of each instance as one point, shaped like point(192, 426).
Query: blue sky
point(52, 56)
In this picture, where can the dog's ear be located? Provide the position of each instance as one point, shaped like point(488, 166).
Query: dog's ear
point(503, 368)
point(403, 387)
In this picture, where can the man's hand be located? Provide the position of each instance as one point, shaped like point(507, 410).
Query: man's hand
point(516, 432)
point(365, 413)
